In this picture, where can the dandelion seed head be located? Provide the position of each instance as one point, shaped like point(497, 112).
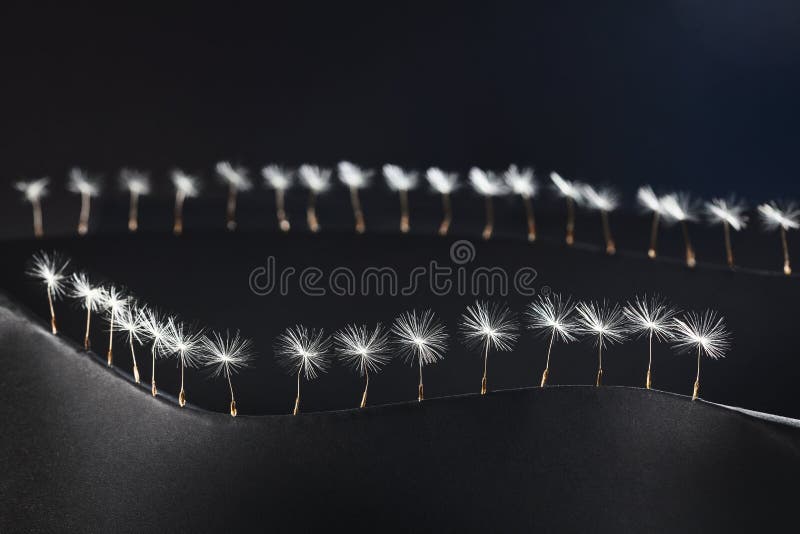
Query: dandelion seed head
point(114, 301)
point(705, 331)
point(33, 190)
point(565, 188)
point(315, 178)
point(603, 320)
point(420, 338)
point(650, 315)
point(442, 182)
point(489, 322)
point(137, 182)
point(486, 183)
point(226, 354)
point(774, 216)
point(399, 179)
point(236, 177)
point(184, 183)
point(728, 211)
point(363, 349)
point(354, 176)
point(521, 181)
point(679, 207)
point(604, 199)
point(80, 182)
point(184, 342)
point(648, 199)
point(553, 314)
point(129, 320)
point(49, 269)
point(277, 177)
point(90, 297)
point(303, 350)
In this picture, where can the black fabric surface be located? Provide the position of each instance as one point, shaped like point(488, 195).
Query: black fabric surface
point(85, 450)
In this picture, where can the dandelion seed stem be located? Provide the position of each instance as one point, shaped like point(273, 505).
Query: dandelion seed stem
point(231, 208)
point(53, 327)
point(297, 399)
point(86, 343)
point(485, 366)
point(570, 221)
point(448, 214)
point(234, 411)
point(599, 380)
point(38, 231)
point(83, 221)
point(177, 227)
point(420, 391)
point(654, 235)
point(366, 387)
point(110, 354)
point(133, 357)
point(526, 201)
point(153, 388)
point(611, 248)
point(311, 212)
point(547, 364)
point(787, 268)
point(650, 359)
point(358, 214)
point(696, 390)
point(690, 257)
point(728, 249)
point(283, 222)
point(133, 212)
point(405, 224)
point(489, 228)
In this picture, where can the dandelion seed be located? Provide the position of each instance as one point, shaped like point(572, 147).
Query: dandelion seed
point(679, 207)
point(79, 182)
point(523, 183)
point(137, 183)
point(421, 340)
point(91, 298)
point(704, 332)
point(237, 180)
point(154, 326)
point(130, 322)
point(49, 270)
point(279, 179)
point(553, 315)
point(304, 352)
point(443, 183)
point(729, 213)
point(651, 316)
point(785, 218)
point(571, 192)
point(606, 323)
point(402, 182)
point(185, 187)
point(365, 350)
point(488, 185)
point(187, 344)
point(114, 303)
point(33, 191)
point(227, 355)
point(489, 325)
point(355, 178)
point(605, 201)
point(649, 201)
point(317, 181)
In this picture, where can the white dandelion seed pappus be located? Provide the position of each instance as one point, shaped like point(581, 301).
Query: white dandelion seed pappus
point(277, 177)
point(704, 331)
point(315, 178)
point(603, 320)
point(362, 349)
point(91, 297)
point(398, 179)
point(114, 301)
point(489, 322)
point(648, 199)
point(79, 182)
point(154, 328)
point(49, 269)
point(774, 216)
point(599, 199)
point(303, 350)
point(441, 181)
point(129, 321)
point(185, 183)
point(728, 211)
point(352, 175)
point(553, 314)
point(136, 182)
point(650, 315)
point(486, 183)
point(184, 342)
point(521, 181)
point(679, 207)
point(565, 188)
point(227, 354)
point(420, 338)
point(33, 190)
point(236, 177)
